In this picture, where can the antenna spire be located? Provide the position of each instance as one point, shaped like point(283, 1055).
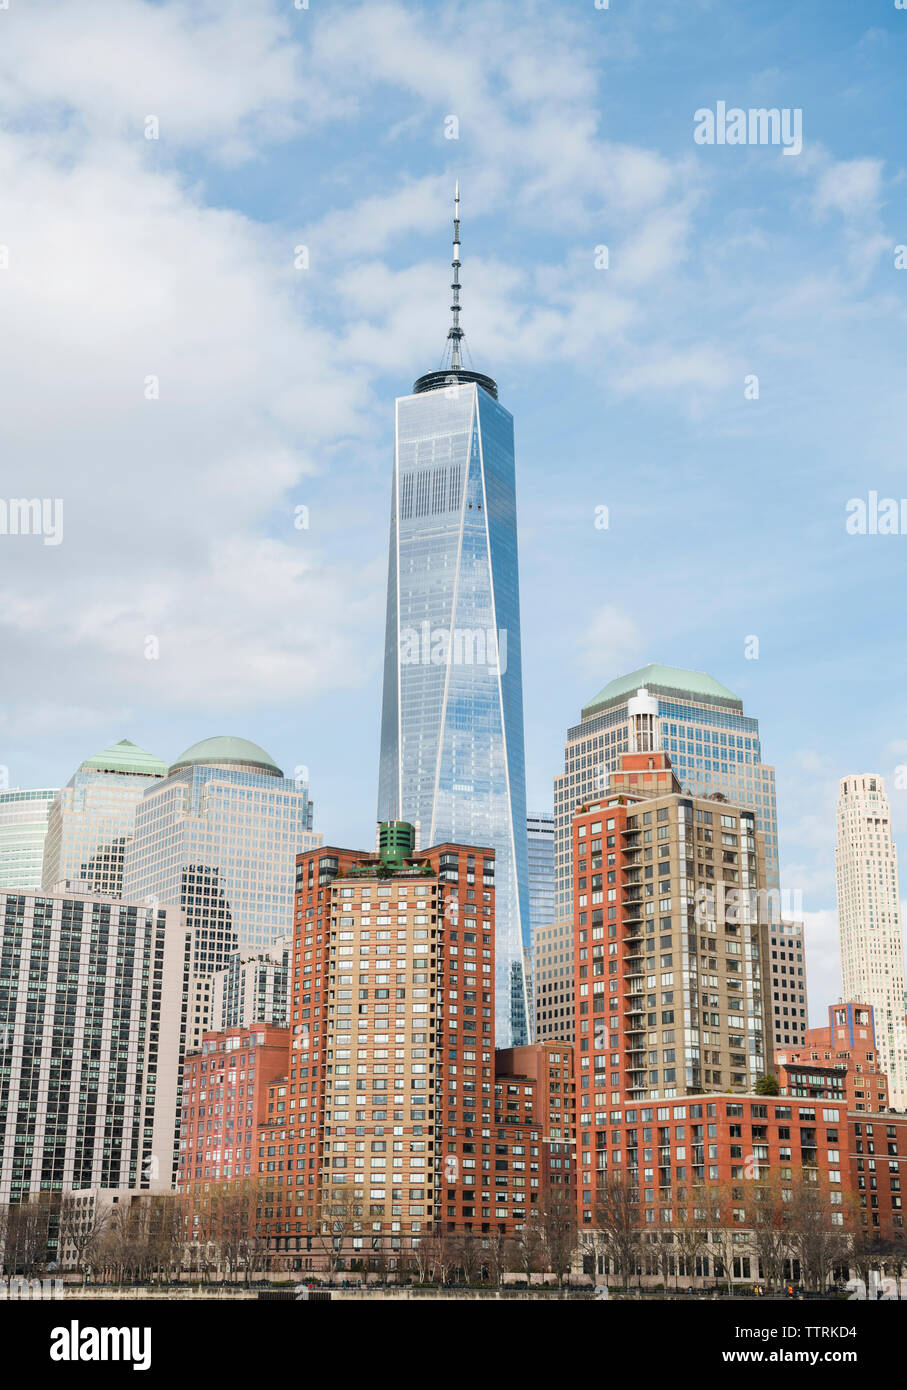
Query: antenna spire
point(452, 372)
point(455, 332)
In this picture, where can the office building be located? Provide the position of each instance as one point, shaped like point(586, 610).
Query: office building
point(787, 958)
point(252, 989)
point(91, 821)
point(93, 1019)
point(544, 1072)
point(714, 748)
point(552, 978)
point(540, 846)
point(869, 920)
point(452, 756)
point(708, 1146)
point(412, 1130)
point(23, 830)
point(218, 837)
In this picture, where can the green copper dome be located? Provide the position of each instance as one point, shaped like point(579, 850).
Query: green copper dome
point(125, 756)
point(236, 753)
point(664, 680)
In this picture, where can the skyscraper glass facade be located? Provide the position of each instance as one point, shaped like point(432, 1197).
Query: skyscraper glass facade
point(452, 755)
point(23, 830)
point(91, 820)
point(219, 837)
point(713, 747)
point(540, 833)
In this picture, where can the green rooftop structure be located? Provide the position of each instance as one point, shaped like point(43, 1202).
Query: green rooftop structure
point(663, 680)
point(396, 841)
point(126, 757)
point(227, 752)
point(91, 820)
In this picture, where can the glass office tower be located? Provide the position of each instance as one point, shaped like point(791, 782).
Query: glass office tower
point(540, 830)
point(713, 745)
point(23, 830)
point(91, 820)
point(452, 758)
point(218, 837)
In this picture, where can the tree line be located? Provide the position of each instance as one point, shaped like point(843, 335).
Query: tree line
point(806, 1224)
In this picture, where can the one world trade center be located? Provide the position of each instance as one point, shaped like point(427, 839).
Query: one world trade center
point(452, 755)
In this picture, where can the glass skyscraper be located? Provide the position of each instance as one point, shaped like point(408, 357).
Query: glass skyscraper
point(713, 746)
point(452, 756)
point(23, 830)
point(218, 837)
point(540, 830)
point(92, 819)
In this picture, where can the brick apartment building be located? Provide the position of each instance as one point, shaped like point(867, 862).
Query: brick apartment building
point(544, 1073)
point(702, 1158)
point(225, 1098)
point(393, 1119)
point(670, 944)
point(674, 1023)
point(841, 1057)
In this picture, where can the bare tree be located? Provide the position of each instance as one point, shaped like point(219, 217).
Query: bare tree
point(501, 1255)
point(116, 1244)
point(435, 1255)
point(725, 1220)
point(666, 1256)
point(467, 1254)
point(558, 1226)
point(232, 1223)
point(767, 1218)
point(690, 1235)
point(817, 1241)
point(28, 1228)
point(166, 1229)
point(616, 1217)
point(341, 1214)
point(529, 1247)
point(421, 1257)
point(81, 1226)
point(864, 1255)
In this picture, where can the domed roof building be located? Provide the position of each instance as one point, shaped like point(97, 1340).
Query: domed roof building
point(236, 754)
point(218, 836)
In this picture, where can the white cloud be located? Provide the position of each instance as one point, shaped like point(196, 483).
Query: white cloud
point(218, 72)
point(702, 368)
point(852, 187)
point(118, 273)
point(611, 643)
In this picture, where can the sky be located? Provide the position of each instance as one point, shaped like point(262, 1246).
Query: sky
point(224, 250)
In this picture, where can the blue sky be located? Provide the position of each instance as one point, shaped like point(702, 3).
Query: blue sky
point(173, 258)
